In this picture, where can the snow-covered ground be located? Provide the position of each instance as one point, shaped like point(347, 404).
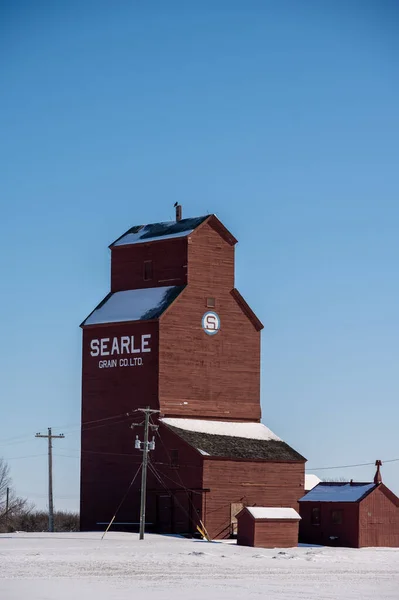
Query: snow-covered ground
point(79, 566)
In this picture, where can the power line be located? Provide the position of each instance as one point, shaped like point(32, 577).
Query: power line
point(28, 456)
point(84, 429)
point(122, 501)
point(350, 466)
point(101, 452)
point(22, 438)
point(66, 455)
point(78, 457)
point(126, 454)
point(179, 485)
point(34, 495)
point(190, 518)
point(125, 414)
point(184, 487)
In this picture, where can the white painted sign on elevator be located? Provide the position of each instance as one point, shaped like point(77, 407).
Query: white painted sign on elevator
point(125, 344)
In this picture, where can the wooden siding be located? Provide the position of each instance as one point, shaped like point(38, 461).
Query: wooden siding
point(181, 513)
point(217, 376)
point(169, 264)
point(107, 395)
point(109, 459)
point(328, 533)
point(379, 521)
point(245, 529)
point(275, 534)
point(250, 482)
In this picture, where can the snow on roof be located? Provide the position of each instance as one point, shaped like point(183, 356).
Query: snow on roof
point(246, 441)
point(133, 305)
point(253, 431)
point(338, 492)
point(265, 512)
point(157, 231)
point(311, 481)
point(203, 452)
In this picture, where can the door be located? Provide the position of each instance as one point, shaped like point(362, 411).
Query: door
point(164, 513)
point(235, 508)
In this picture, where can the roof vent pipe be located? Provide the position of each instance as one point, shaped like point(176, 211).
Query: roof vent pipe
point(377, 476)
point(178, 211)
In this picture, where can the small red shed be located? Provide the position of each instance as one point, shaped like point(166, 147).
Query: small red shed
point(268, 527)
point(350, 514)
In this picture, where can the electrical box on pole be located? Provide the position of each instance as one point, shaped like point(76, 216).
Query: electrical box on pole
point(145, 447)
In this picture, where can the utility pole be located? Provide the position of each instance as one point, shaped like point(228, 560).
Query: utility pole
point(145, 446)
point(50, 438)
point(7, 505)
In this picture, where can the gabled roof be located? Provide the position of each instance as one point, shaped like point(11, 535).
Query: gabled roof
point(266, 513)
point(229, 439)
point(338, 492)
point(158, 231)
point(390, 495)
point(247, 310)
point(153, 232)
point(133, 305)
point(218, 226)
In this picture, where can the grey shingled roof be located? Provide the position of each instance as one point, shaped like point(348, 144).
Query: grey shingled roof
point(158, 231)
point(235, 447)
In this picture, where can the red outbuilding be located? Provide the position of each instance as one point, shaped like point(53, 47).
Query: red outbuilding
point(174, 334)
point(350, 514)
point(264, 527)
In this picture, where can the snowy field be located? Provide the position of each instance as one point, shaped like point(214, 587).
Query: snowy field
point(82, 567)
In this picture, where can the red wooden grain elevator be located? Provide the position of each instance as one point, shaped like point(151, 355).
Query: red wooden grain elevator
point(175, 334)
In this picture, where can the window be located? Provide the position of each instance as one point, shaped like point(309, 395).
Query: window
point(147, 273)
point(211, 302)
point(174, 458)
point(336, 517)
point(315, 517)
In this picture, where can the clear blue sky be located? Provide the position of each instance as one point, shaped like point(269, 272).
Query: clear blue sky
point(280, 117)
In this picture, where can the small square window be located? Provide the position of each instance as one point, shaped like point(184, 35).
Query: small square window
point(210, 302)
point(315, 516)
point(147, 272)
point(174, 458)
point(336, 517)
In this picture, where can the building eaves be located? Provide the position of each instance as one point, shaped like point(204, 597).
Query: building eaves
point(247, 310)
point(133, 305)
point(218, 226)
point(390, 495)
point(224, 446)
point(153, 232)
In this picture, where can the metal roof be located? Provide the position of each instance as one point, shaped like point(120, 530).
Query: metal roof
point(338, 492)
point(133, 305)
point(158, 231)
